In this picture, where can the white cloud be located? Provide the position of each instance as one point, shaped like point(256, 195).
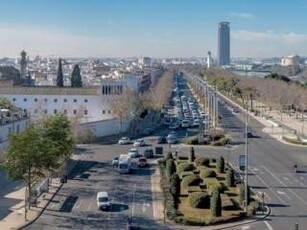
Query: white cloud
point(243, 15)
point(268, 43)
point(269, 36)
point(57, 42)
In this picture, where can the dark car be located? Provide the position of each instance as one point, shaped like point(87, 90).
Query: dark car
point(249, 134)
point(148, 153)
point(142, 162)
point(161, 140)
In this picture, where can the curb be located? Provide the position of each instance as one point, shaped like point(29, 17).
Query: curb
point(44, 208)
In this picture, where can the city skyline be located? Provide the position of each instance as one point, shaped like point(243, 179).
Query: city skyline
point(151, 28)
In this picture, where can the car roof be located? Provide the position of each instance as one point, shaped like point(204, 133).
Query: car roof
point(102, 194)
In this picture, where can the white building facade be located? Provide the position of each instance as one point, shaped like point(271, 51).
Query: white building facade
point(90, 105)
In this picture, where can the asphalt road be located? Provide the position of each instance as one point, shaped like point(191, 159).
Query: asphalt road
point(270, 167)
point(74, 207)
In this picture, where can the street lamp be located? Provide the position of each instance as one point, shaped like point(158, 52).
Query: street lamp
point(246, 162)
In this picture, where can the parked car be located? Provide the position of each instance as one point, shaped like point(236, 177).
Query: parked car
point(174, 126)
point(161, 140)
point(142, 162)
point(124, 141)
point(133, 153)
point(148, 153)
point(139, 142)
point(115, 160)
point(172, 140)
point(103, 201)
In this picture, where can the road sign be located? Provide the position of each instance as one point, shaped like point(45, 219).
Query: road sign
point(242, 162)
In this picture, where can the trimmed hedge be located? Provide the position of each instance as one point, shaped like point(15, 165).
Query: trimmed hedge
point(191, 180)
point(207, 173)
point(216, 205)
point(170, 168)
point(221, 142)
point(168, 156)
point(296, 141)
point(230, 178)
point(191, 140)
point(185, 167)
point(220, 165)
point(192, 155)
point(185, 220)
point(202, 161)
point(199, 200)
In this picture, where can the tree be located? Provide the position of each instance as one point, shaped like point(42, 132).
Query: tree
point(25, 159)
point(170, 168)
point(175, 186)
point(38, 150)
point(76, 79)
point(60, 78)
point(57, 130)
point(122, 105)
point(192, 154)
point(169, 155)
point(216, 204)
point(230, 178)
point(220, 165)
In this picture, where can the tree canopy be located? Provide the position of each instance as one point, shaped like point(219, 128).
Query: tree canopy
point(76, 79)
point(60, 78)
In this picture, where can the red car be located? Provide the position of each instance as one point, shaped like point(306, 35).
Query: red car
point(142, 162)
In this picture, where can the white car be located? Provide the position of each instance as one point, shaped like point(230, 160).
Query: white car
point(103, 201)
point(139, 142)
point(195, 123)
point(185, 124)
point(133, 153)
point(124, 141)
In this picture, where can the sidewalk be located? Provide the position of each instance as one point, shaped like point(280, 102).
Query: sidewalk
point(16, 219)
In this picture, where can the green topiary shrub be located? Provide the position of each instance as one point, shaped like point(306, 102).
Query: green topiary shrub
point(185, 220)
point(199, 200)
point(213, 160)
point(219, 187)
point(202, 161)
point(191, 140)
point(206, 173)
point(192, 155)
point(190, 180)
point(230, 178)
point(169, 155)
point(170, 168)
point(221, 142)
point(175, 187)
point(220, 165)
point(241, 193)
point(216, 204)
point(184, 167)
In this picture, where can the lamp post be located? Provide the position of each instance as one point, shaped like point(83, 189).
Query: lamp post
point(246, 162)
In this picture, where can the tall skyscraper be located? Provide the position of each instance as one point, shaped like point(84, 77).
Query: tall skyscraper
point(223, 44)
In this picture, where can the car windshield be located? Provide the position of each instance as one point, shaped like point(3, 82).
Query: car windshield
point(115, 158)
point(103, 199)
point(142, 160)
point(123, 166)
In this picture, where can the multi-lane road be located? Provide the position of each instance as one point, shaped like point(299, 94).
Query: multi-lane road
point(270, 163)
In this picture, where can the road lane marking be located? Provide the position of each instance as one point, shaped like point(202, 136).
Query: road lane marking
point(268, 225)
point(246, 227)
point(276, 195)
point(290, 190)
point(283, 193)
point(286, 178)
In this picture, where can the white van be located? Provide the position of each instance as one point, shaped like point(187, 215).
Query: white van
point(185, 124)
point(103, 201)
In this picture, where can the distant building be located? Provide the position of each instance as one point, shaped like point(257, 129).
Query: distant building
point(292, 60)
point(209, 61)
point(223, 44)
point(145, 61)
point(23, 64)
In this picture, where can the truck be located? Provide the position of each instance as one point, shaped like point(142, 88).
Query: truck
point(124, 163)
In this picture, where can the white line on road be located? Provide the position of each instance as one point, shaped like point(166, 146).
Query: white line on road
point(246, 227)
point(290, 190)
point(268, 225)
point(262, 181)
point(286, 178)
point(283, 193)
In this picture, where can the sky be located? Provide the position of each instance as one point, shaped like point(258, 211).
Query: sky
point(154, 28)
